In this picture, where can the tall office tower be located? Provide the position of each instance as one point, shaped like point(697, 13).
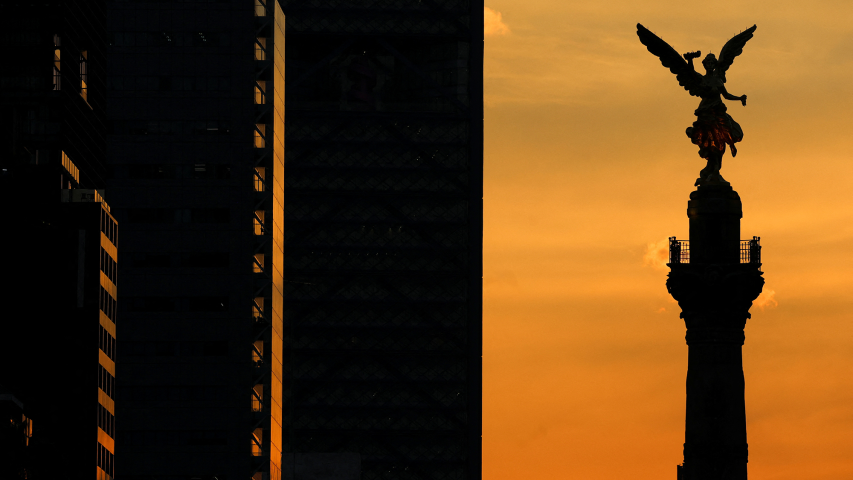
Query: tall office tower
point(57, 316)
point(383, 239)
point(196, 106)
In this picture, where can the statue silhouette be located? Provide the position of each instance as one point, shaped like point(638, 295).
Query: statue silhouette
point(713, 128)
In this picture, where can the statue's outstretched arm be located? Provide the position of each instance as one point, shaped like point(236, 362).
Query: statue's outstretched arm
point(689, 56)
point(729, 96)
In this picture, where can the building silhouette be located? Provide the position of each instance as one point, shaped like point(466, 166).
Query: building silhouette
point(383, 237)
point(16, 430)
point(196, 98)
point(326, 322)
point(58, 301)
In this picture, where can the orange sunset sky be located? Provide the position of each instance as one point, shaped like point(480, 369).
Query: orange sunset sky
point(588, 170)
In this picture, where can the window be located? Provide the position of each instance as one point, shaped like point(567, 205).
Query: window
point(177, 393)
point(258, 309)
point(179, 215)
point(260, 135)
point(106, 381)
point(105, 460)
point(257, 442)
point(259, 222)
point(109, 266)
point(260, 49)
point(84, 75)
point(258, 352)
point(145, 172)
point(151, 260)
point(107, 343)
point(260, 92)
point(174, 437)
point(150, 215)
point(205, 260)
point(261, 8)
point(175, 349)
point(210, 215)
point(106, 421)
point(57, 78)
point(170, 127)
point(258, 398)
point(260, 175)
point(208, 304)
point(169, 39)
point(109, 228)
point(150, 304)
point(186, 259)
point(210, 171)
point(177, 304)
point(258, 264)
point(107, 304)
point(70, 167)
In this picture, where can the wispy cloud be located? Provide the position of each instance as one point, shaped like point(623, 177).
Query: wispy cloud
point(493, 23)
point(657, 255)
point(767, 299)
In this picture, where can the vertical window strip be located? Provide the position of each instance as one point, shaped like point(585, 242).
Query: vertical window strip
point(57, 77)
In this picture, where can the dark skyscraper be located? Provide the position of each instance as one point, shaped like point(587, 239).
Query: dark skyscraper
point(196, 98)
point(329, 319)
point(57, 304)
point(383, 237)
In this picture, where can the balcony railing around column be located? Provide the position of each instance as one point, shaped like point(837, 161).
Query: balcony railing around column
point(679, 251)
point(750, 251)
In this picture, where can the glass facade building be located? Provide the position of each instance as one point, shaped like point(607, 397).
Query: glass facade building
point(196, 99)
point(383, 239)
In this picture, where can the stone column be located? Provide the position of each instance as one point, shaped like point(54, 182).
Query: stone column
point(715, 291)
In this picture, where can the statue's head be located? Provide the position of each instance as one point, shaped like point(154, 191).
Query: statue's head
point(710, 62)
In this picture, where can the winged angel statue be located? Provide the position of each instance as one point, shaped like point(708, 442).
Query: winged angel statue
point(713, 128)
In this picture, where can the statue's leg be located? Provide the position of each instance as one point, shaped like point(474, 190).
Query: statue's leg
point(706, 172)
point(718, 165)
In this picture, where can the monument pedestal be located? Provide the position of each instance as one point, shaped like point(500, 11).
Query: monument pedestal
point(715, 277)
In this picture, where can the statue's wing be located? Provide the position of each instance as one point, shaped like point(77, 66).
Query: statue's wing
point(732, 49)
point(687, 77)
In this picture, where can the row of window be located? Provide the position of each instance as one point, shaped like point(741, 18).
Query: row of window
point(106, 421)
point(23, 38)
point(107, 304)
point(173, 393)
point(106, 460)
point(178, 260)
point(170, 83)
point(107, 343)
point(106, 381)
point(172, 437)
point(175, 349)
point(170, 127)
point(109, 228)
point(176, 304)
point(196, 171)
point(108, 266)
point(178, 215)
point(169, 39)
